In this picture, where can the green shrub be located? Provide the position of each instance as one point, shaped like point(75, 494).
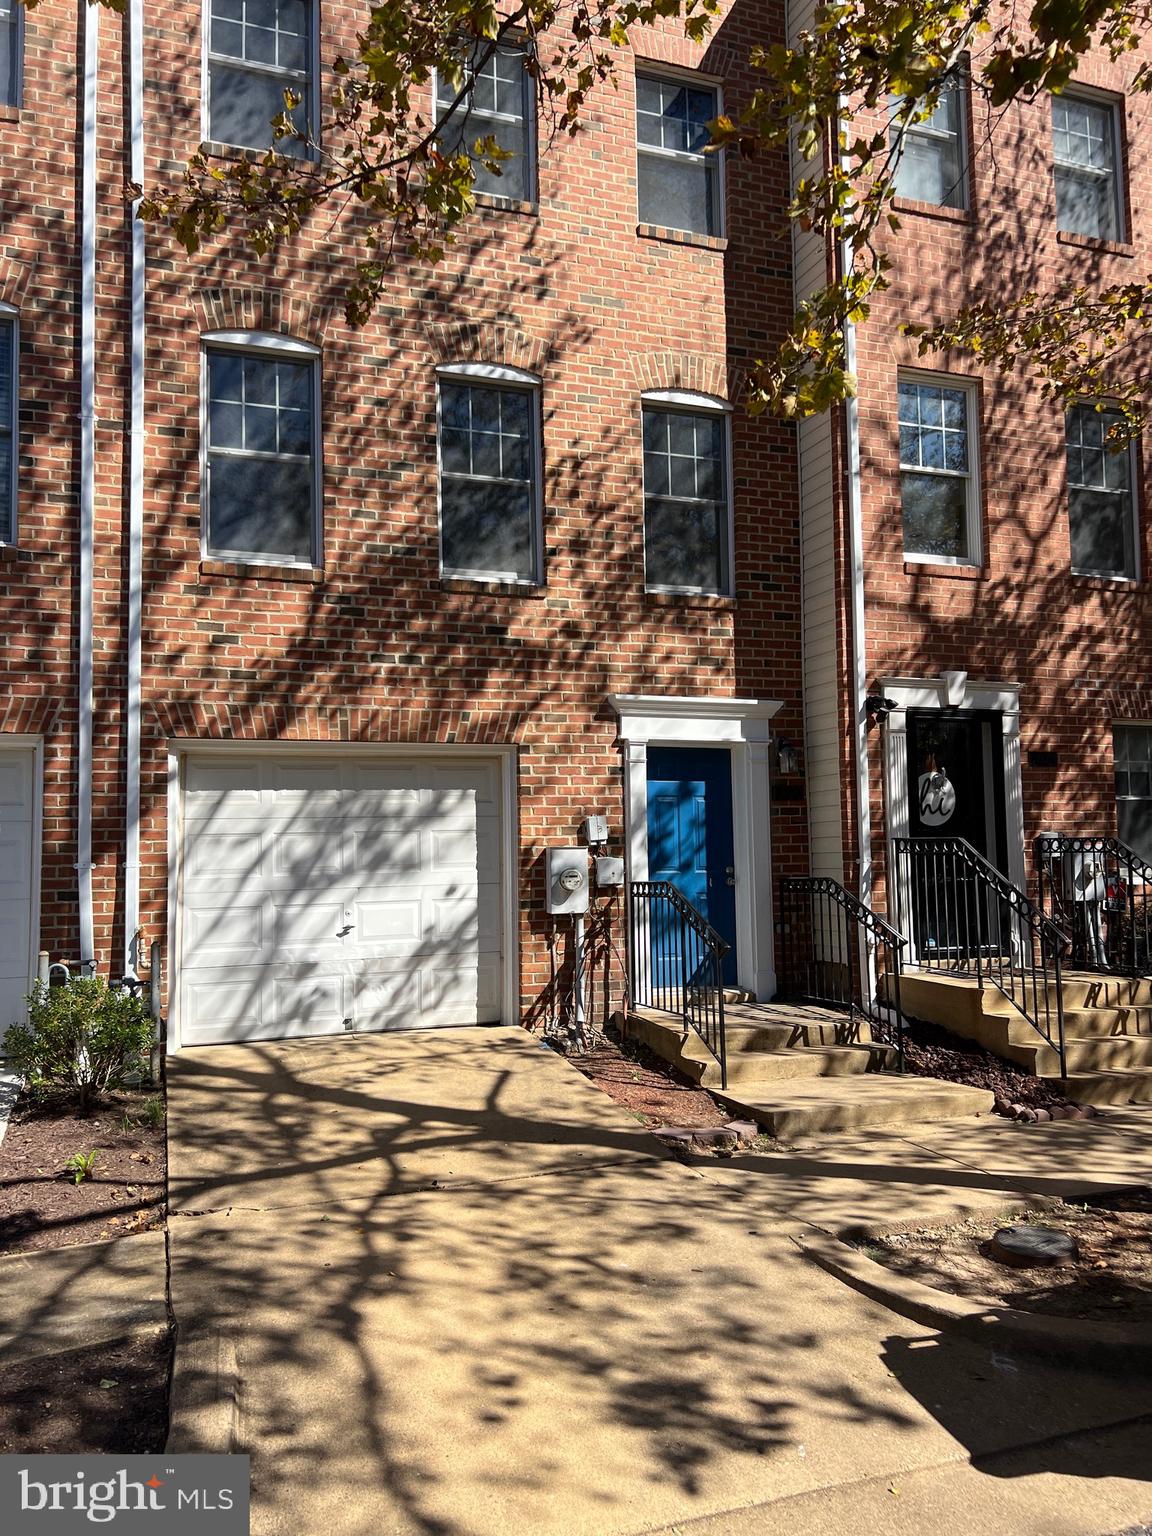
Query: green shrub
point(80, 1166)
point(80, 1040)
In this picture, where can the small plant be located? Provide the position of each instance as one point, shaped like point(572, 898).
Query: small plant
point(153, 1111)
point(80, 1166)
point(80, 1040)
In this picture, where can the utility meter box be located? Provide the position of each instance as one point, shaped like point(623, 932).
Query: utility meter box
point(567, 880)
point(609, 873)
point(596, 829)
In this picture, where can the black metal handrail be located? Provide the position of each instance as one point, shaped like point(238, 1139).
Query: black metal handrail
point(825, 931)
point(677, 963)
point(1100, 892)
point(967, 918)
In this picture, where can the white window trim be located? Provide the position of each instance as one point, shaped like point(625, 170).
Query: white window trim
point(515, 40)
point(688, 402)
point(18, 26)
point(526, 383)
point(1113, 104)
point(926, 131)
point(974, 559)
point(10, 314)
point(264, 344)
point(313, 79)
point(654, 70)
point(1123, 580)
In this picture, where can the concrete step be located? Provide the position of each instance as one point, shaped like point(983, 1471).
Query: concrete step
point(1092, 1054)
point(1131, 1087)
point(1086, 991)
point(1108, 1022)
point(807, 1107)
point(756, 1053)
point(759, 1067)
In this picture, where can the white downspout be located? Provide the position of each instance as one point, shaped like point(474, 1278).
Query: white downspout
point(135, 505)
point(87, 490)
point(859, 663)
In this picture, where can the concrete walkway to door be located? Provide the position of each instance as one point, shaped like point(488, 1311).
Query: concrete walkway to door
point(437, 1283)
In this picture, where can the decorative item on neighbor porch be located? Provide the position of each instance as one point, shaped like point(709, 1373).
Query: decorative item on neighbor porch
point(80, 1040)
point(1100, 891)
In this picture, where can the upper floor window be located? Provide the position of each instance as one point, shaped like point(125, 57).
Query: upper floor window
point(489, 433)
point(1100, 502)
point(258, 49)
point(939, 495)
point(1085, 153)
point(687, 500)
point(1132, 754)
point(678, 184)
point(933, 164)
point(261, 449)
point(497, 103)
point(9, 425)
point(11, 48)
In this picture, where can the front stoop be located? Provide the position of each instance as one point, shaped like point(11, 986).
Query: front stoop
point(800, 1071)
point(1107, 1031)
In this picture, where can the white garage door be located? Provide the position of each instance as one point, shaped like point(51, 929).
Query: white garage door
point(325, 894)
point(17, 795)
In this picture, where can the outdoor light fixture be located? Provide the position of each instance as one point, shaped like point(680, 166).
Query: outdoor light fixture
point(876, 704)
point(785, 755)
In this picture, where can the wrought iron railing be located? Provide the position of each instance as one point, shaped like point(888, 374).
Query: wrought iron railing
point(677, 963)
point(825, 935)
point(1100, 892)
point(965, 917)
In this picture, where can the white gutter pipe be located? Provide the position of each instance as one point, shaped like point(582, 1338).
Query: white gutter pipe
point(135, 505)
point(87, 491)
point(854, 549)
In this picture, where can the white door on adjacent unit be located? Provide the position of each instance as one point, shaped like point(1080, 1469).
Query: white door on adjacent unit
point(321, 895)
point(17, 831)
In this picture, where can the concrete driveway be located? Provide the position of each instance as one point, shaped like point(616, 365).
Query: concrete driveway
point(437, 1283)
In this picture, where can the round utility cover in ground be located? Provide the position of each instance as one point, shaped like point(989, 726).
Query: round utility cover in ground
point(1028, 1246)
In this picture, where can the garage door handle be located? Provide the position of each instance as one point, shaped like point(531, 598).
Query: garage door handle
point(347, 928)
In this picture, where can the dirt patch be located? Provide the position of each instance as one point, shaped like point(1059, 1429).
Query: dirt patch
point(110, 1398)
point(930, 1051)
point(1109, 1281)
point(647, 1086)
point(41, 1205)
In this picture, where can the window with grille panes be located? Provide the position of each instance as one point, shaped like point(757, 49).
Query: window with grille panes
point(262, 454)
point(687, 510)
point(258, 49)
point(1132, 755)
point(939, 492)
point(9, 448)
point(679, 185)
point(497, 103)
point(1101, 503)
point(1086, 160)
point(11, 51)
point(489, 478)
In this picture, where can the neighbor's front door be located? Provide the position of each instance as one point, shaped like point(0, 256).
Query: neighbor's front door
point(690, 834)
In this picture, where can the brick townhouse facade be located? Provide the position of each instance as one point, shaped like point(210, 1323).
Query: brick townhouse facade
point(413, 600)
point(318, 639)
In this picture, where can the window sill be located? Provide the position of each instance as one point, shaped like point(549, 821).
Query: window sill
point(1099, 583)
point(9, 114)
point(11, 553)
point(494, 585)
point(217, 151)
point(500, 204)
point(255, 570)
point(716, 600)
point(681, 237)
point(950, 572)
point(932, 210)
point(1092, 243)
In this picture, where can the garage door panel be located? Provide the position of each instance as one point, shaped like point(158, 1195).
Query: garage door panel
point(364, 890)
point(16, 774)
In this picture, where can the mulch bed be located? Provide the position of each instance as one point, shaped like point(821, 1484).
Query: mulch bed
point(40, 1204)
point(647, 1086)
point(1109, 1281)
point(930, 1051)
point(110, 1398)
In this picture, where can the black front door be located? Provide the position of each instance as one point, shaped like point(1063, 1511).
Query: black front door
point(955, 790)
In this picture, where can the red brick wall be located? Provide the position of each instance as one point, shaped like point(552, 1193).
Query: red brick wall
point(377, 647)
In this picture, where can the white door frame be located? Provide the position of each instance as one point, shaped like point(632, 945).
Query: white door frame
point(744, 727)
point(180, 750)
point(951, 690)
point(34, 745)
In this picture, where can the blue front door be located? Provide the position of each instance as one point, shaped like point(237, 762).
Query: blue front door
point(690, 834)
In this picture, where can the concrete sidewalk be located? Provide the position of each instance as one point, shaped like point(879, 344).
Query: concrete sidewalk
point(440, 1284)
